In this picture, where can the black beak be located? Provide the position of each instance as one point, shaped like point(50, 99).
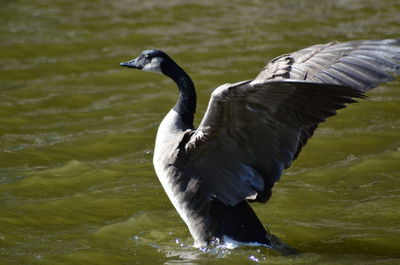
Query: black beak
point(132, 64)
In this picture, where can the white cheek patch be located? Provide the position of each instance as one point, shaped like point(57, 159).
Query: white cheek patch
point(154, 65)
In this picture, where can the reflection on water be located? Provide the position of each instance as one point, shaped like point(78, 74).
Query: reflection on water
point(76, 132)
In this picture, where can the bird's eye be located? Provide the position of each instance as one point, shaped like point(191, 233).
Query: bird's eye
point(147, 57)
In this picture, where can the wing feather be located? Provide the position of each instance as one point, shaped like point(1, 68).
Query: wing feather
point(253, 130)
point(252, 133)
point(358, 64)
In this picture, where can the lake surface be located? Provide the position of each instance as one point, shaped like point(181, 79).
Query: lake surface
point(77, 132)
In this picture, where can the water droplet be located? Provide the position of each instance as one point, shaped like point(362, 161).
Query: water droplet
point(253, 258)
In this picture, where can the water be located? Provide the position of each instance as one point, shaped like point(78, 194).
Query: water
point(77, 132)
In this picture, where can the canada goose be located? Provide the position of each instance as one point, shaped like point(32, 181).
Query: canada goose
point(253, 130)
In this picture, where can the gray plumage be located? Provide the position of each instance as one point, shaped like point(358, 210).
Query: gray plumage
point(253, 130)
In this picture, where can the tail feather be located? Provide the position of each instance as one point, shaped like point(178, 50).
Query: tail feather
point(238, 223)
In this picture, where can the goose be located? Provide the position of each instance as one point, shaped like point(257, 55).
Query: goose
point(253, 130)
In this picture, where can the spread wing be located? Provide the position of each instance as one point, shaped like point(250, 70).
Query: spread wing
point(253, 130)
point(250, 133)
point(357, 64)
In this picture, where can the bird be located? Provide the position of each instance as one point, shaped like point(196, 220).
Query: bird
point(253, 130)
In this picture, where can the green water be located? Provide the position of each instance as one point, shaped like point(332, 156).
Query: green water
point(77, 132)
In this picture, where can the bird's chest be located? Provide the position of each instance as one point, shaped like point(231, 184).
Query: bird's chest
point(169, 135)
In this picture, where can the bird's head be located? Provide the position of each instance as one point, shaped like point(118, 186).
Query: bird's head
point(149, 61)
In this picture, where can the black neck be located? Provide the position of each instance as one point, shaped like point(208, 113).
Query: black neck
point(186, 104)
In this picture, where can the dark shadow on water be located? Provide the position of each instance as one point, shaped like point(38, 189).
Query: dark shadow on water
point(281, 247)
